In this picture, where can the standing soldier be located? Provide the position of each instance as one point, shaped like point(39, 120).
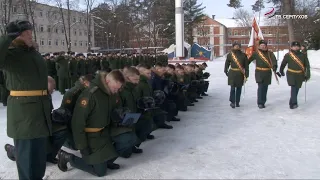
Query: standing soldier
point(104, 63)
point(266, 62)
point(28, 112)
point(238, 73)
point(298, 71)
point(63, 73)
point(73, 71)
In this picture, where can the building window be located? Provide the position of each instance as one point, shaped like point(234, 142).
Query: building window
point(269, 41)
point(229, 42)
point(263, 31)
point(14, 9)
point(41, 14)
point(62, 42)
point(235, 41)
point(235, 32)
point(56, 30)
point(243, 41)
point(279, 41)
point(62, 30)
point(242, 32)
point(74, 19)
point(57, 42)
point(75, 43)
point(270, 31)
point(49, 28)
point(86, 43)
point(80, 33)
point(49, 42)
point(55, 17)
point(80, 19)
point(85, 33)
point(81, 43)
point(41, 28)
point(85, 21)
point(229, 32)
point(42, 42)
point(75, 32)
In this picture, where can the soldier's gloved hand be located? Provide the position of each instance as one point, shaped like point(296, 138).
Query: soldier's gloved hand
point(274, 68)
point(282, 73)
point(85, 152)
point(226, 72)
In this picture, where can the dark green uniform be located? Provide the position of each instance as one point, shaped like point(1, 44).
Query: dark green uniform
point(73, 71)
point(236, 75)
point(28, 118)
point(63, 73)
point(4, 93)
point(145, 124)
point(104, 63)
point(295, 74)
point(81, 67)
point(93, 110)
point(263, 73)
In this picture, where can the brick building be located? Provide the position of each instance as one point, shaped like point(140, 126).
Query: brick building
point(218, 34)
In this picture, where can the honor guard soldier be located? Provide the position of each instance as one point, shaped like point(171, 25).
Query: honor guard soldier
point(237, 74)
point(29, 106)
point(266, 64)
point(298, 71)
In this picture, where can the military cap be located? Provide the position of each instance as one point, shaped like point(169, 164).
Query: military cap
point(93, 54)
point(295, 43)
point(72, 53)
point(235, 44)
point(55, 53)
point(262, 42)
point(80, 54)
point(47, 54)
point(88, 54)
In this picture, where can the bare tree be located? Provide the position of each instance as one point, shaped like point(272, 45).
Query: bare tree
point(288, 6)
point(5, 15)
point(243, 17)
point(89, 6)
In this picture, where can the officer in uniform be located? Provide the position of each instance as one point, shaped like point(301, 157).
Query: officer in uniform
point(73, 69)
point(237, 74)
point(266, 64)
point(29, 106)
point(298, 71)
point(63, 72)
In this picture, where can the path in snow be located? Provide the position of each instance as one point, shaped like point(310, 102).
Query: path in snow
point(215, 141)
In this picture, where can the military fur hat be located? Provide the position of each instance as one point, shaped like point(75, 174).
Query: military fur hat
point(263, 42)
point(295, 43)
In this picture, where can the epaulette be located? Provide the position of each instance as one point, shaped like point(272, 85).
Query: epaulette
point(92, 90)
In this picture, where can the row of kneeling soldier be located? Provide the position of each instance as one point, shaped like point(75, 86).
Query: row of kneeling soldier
point(237, 71)
point(66, 68)
point(104, 115)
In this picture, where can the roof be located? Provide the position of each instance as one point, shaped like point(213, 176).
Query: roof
point(231, 22)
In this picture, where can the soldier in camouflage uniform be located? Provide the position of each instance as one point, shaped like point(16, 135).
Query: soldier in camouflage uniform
point(297, 73)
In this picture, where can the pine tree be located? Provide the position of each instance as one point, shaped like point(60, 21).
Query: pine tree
point(235, 4)
point(193, 15)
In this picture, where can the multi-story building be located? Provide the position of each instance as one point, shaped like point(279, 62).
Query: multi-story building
point(219, 35)
point(52, 27)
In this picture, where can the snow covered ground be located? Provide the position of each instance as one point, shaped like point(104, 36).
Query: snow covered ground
point(215, 141)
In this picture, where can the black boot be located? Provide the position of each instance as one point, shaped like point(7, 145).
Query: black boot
point(150, 136)
point(196, 100)
point(233, 105)
point(165, 126)
point(10, 151)
point(261, 106)
point(293, 106)
point(199, 97)
point(190, 104)
point(175, 119)
point(204, 94)
point(113, 166)
point(136, 150)
point(63, 159)
point(237, 105)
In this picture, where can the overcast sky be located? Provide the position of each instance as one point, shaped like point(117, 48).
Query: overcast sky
point(221, 10)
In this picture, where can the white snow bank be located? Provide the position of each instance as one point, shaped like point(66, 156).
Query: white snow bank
point(314, 58)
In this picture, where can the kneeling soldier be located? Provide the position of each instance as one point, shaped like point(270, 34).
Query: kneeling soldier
point(298, 71)
point(238, 74)
point(91, 127)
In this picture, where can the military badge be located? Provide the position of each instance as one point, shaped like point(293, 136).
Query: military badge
point(84, 102)
point(68, 101)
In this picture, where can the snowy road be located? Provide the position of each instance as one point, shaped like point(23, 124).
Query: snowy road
point(215, 141)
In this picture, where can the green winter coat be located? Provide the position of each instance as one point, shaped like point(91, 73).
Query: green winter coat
point(104, 63)
point(296, 78)
point(73, 67)
point(144, 88)
point(93, 110)
point(70, 97)
point(25, 69)
point(129, 97)
point(264, 76)
point(63, 66)
point(235, 76)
